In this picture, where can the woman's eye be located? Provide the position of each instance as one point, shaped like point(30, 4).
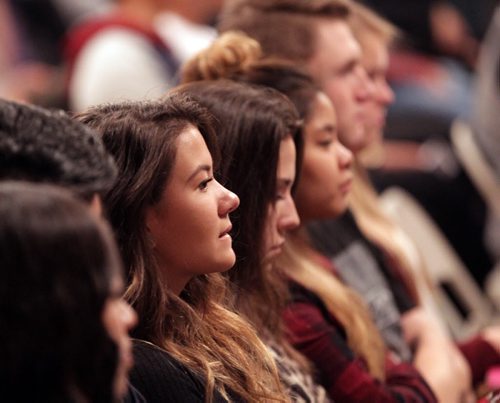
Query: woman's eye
point(325, 143)
point(204, 185)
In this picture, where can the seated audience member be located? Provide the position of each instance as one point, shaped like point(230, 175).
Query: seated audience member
point(373, 256)
point(309, 33)
point(171, 219)
point(428, 171)
point(315, 35)
point(39, 145)
point(118, 56)
point(430, 71)
point(238, 56)
point(259, 141)
point(273, 23)
point(64, 324)
point(370, 252)
point(348, 239)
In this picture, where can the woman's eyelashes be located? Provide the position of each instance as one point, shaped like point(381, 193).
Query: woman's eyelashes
point(325, 143)
point(203, 186)
point(284, 190)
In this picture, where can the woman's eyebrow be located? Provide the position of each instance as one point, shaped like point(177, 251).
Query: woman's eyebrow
point(200, 168)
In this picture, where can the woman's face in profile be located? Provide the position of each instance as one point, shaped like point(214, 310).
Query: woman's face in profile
point(189, 227)
point(326, 176)
point(282, 215)
point(119, 318)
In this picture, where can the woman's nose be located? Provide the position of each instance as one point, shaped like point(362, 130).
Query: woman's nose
point(290, 218)
point(344, 156)
point(229, 201)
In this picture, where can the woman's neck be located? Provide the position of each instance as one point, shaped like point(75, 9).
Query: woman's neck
point(176, 284)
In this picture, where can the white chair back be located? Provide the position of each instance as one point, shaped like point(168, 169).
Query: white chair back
point(458, 298)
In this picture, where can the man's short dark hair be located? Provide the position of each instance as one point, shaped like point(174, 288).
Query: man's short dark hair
point(39, 145)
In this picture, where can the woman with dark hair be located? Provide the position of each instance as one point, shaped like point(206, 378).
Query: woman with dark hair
point(259, 138)
point(171, 219)
point(325, 320)
point(64, 325)
point(256, 127)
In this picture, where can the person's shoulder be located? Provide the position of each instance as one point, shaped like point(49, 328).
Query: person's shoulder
point(300, 294)
point(159, 377)
point(134, 396)
point(148, 356)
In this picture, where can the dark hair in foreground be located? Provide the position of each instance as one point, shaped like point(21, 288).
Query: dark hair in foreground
point(39, 145)
point(56, 261)
point(195, 327)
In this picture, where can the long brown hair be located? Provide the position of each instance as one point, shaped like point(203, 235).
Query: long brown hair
point(195, 327)
point(239, 57)
point(254, 122)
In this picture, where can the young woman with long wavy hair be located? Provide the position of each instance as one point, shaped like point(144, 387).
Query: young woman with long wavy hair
point(259, 141)
point(326, 320)
point(171, 219)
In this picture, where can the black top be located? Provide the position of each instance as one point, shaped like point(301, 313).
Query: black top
point(161, 378)
point(133, 396)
